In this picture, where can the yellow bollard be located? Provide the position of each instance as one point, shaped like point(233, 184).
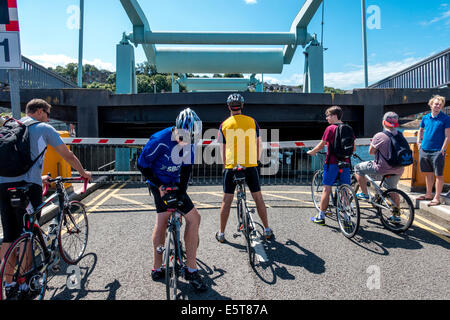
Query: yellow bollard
point(55, 164)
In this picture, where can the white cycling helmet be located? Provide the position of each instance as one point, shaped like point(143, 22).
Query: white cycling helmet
point(189, 123)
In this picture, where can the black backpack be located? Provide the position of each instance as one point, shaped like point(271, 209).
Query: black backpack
point(15, 154)
point(344, 141)
point(401, 154)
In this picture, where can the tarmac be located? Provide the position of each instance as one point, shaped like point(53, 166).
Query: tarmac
point(442, 210)
point(75, 193)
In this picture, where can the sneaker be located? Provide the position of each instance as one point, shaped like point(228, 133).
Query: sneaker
point(268, 233)
point(362, 196)
point(158, 275)
point(318, 220)
point(394, 219)
point(195, 280)
point(220, 237)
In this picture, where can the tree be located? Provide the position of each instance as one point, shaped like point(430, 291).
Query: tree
point(233, 75)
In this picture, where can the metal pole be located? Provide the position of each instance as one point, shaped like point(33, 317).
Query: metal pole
point(80, 46)
point(363, 13)
point(14, 87)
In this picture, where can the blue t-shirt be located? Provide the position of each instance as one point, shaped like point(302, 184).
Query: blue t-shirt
point(434, 131)
point(164, 156)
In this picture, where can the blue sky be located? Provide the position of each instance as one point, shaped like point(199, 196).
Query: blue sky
point(409, 31)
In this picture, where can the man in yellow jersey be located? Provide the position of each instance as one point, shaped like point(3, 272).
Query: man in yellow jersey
point(240, 144)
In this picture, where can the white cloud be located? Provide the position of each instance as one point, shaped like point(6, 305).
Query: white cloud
point(444, 16)
point(54, 60)
point(251, 1)
point(354, 78)
point(377, 72)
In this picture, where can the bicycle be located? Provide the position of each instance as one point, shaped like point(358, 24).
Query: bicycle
point(246, 224)
point(174, 256)
point(394, 207)
point(23, 272)
point(343, 200)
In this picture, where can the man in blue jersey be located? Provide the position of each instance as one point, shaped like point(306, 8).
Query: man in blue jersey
point(166, 160)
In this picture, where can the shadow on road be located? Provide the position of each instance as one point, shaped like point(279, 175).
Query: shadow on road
point(291, 254)
point(75, 287)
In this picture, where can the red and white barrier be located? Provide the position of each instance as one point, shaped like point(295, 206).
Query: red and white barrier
point(142, 142)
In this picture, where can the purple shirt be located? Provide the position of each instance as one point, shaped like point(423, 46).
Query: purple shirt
point(382, 143)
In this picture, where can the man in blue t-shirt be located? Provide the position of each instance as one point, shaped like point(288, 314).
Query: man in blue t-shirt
point(432, 142)
point(167, 160)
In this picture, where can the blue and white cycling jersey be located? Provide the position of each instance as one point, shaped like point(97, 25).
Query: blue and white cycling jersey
point(164, 156)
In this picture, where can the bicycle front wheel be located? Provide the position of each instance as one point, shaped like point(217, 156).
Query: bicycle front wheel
point(170, 260)
point(73, 233)
point(317, 188)
point(348, 214)
point(23, 273)
point(396, 210)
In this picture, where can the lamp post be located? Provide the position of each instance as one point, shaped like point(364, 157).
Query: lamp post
point(80, 46)
point(364, 39)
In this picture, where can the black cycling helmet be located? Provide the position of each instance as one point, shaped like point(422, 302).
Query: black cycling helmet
point(235, 102)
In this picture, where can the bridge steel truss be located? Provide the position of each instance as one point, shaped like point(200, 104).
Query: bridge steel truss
point(35, 76)
point(433, 72)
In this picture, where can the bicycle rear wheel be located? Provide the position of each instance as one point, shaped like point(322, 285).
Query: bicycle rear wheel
point(170, 260)
point(22, 273)
point(73, 233)
point(396, 210)
point(347, 211)
point(247, 231)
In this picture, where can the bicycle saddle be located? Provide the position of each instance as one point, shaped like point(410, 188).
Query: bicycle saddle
point(342, 165)
point(239, 173)
point(171, 197)
point(18, 196)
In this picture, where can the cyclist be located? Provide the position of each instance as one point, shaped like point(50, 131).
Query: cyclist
point(246, 152)
point(161, 164)
point(381, 148)
point(330, 169)
point(41, 134)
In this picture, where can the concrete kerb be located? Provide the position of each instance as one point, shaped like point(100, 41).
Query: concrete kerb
point(442, 210)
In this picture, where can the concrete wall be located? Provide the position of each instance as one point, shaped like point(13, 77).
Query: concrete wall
point(100, 113)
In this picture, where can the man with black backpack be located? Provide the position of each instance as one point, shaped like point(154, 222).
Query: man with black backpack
point(340, 141)
point(22, 148)
point(392, 154)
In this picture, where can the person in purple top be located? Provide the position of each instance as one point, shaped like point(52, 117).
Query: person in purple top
point(380, 147)
point(432, 141)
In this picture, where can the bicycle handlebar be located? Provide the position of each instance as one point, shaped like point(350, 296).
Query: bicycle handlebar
point(61, 179)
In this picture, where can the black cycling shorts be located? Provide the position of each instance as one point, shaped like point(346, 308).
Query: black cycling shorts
point(251, 179)
point(162, 207)
point(12, 218)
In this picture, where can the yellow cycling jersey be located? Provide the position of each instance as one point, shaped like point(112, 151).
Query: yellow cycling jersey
point(239, 134)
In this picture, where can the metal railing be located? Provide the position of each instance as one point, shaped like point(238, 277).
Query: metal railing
point(35, 76)
point(285, 164)
point(433, 72)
